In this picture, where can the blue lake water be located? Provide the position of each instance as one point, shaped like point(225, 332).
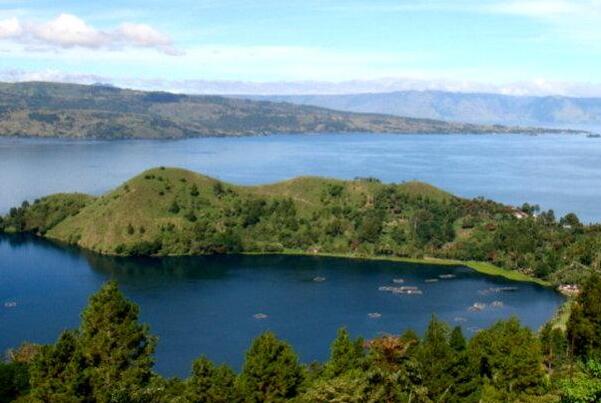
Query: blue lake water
point(206, 305)
point(556, 171)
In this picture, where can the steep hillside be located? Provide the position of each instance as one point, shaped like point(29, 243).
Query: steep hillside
point(102, 112)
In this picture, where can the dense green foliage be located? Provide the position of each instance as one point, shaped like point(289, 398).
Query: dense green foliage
point(211, 384)
point(585, 386)
point(271, 371)
point(14, 380)
point(104, 112)
point(584, 325)
point(177, 212)
point(109, 359)
point(45, 214)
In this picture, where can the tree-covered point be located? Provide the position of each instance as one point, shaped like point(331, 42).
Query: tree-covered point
point(109, 358)
point(177, 212)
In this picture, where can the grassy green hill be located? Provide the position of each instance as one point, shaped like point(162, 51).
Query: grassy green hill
point(174, 205)
point(40, 109)
point(167, 211)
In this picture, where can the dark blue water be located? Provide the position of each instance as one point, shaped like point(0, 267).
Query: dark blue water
point(556, 171)
point(206, 305)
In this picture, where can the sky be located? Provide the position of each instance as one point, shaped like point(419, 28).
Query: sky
point(521, 47)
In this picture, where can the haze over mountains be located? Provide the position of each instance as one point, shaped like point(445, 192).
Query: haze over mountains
point(481, 108)
point(104, 112)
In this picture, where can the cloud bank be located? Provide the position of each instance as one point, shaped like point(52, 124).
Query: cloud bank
point(69, 31)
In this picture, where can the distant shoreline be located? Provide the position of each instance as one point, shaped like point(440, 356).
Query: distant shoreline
point(549, 132)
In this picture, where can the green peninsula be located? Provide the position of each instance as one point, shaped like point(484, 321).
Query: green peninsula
point(174, 212)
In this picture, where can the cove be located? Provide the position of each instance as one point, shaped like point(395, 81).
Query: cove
point(207, 305)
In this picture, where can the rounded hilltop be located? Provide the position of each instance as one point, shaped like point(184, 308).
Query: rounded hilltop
point(170, 211)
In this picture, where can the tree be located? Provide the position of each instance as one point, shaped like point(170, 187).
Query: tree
point(530, 209)
point(174, 207)
point(509, 358)
point(14, 380)
point(571, 220)
point(56, 373)
point(226, 242)
point(436, 358)
point(457, 340)
point(210, 384)
point(346, 354)
point(271, 372)
point(585, 387)
point(584, 325)
point(351, 387)
point(218, 189)
point(116, 348)
point(393, 370)
point(554, 345)
point(370, 227)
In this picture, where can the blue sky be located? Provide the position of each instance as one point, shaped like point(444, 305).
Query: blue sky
point(528, 46)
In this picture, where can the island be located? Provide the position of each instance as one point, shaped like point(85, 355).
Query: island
point(73, 111)
point(176, 212)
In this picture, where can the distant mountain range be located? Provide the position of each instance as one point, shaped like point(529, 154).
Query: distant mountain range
point(42, 109)
point(480, 108)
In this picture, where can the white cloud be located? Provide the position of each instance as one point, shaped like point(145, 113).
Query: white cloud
point(145, 36)
point(10, 28)
point(70, 31)
point(67, 30)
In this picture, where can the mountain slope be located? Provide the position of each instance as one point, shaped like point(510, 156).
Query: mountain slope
point(176, 205)
point(102, 112)
point(480, 108)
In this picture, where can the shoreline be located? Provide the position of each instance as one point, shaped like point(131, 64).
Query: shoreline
point(562, 314)
point(526, 131)
point(480, 267)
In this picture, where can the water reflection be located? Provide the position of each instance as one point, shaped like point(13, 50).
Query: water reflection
point(215, 305)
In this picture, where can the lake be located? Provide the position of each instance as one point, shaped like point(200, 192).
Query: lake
point(560, 172)
point(207, 305)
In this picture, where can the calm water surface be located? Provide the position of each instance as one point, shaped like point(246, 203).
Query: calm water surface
point(205, 305)
point(556, 171)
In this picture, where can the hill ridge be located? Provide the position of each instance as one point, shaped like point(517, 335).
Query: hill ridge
point(42, 109)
